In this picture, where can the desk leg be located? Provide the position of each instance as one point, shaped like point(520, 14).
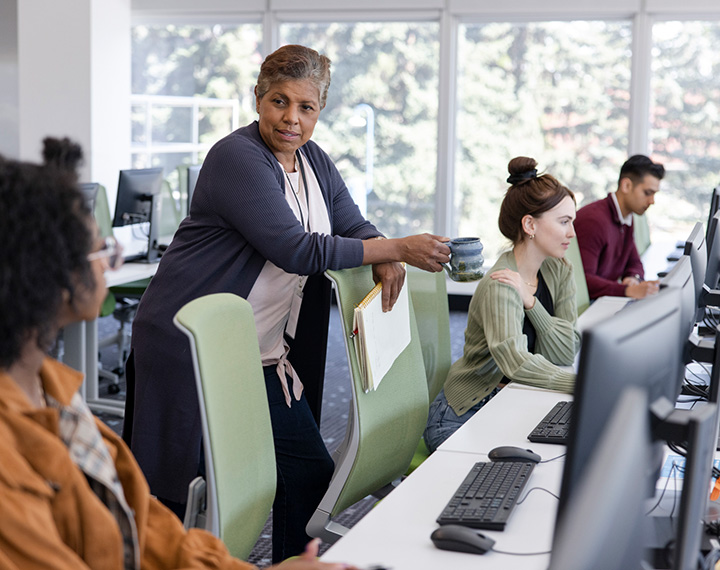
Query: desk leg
point(91, 391)
point(75, 354)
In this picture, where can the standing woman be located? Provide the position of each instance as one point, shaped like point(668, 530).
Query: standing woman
point(521, 320)
point(269, 214)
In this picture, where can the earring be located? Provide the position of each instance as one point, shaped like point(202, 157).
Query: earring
point(531, 236)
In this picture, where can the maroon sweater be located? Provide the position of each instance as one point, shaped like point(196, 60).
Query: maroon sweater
point(607, 247)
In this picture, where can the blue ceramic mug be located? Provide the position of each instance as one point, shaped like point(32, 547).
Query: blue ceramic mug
point(466, 259)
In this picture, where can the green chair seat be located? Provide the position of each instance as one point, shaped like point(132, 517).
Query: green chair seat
point(581, 290)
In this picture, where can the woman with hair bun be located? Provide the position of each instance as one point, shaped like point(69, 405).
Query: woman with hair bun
point(521, 320)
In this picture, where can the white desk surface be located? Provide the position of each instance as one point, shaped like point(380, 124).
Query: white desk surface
point(396, 533)
point(507, 419)
point(130, 272)
point(81, 342)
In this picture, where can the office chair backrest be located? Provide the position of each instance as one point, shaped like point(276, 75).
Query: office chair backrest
point(428, 292)
point(171, 213)
point(641, 233)
point(237, 434)
point(385, 425)
point(101, 212)
point(581, 290)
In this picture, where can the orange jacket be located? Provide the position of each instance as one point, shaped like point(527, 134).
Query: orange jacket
point(49, 515)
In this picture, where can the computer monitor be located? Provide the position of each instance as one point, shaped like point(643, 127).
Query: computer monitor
point(679, 530)
point(681, 277)
point(712, 272)
point(696, 248)
point(89, 191)
point(138, 205)
point(637, 346)
point(193, 172)
point(603, 525)
point(714, 203)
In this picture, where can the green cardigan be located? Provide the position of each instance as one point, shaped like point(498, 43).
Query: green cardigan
point(495, 345)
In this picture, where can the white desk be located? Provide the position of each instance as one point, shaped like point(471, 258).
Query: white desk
point(81, 342)
point(507, 419)
point(396, 533)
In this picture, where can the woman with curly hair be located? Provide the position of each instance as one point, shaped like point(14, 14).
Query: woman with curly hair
point(521, 319)
point(72, 495)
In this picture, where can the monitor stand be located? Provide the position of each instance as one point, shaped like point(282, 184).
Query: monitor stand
point(680, 517)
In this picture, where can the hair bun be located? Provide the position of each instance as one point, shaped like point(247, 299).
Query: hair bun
point(521, 168)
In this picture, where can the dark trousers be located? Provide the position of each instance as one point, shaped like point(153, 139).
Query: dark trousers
point(304, 468)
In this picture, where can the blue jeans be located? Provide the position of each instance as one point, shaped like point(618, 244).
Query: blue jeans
point(304, 468)
point(443, 421)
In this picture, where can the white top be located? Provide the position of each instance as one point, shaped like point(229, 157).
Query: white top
point(627, 220)
point(276, 295)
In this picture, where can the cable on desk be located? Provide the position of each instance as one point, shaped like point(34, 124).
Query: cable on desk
point(536, 489)
point(553, 458)
point(673, 472)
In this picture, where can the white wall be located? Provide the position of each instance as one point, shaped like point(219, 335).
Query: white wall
point(9, 123)
point(74, 60)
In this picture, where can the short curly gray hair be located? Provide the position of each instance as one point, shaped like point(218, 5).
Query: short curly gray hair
point(295, 62)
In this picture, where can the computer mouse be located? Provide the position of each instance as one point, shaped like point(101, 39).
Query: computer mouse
point(511, 453)
point(461, 539)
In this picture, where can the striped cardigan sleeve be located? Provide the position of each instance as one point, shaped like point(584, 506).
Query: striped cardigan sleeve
point(502, 315)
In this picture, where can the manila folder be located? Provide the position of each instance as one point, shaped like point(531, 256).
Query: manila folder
point(380, 337)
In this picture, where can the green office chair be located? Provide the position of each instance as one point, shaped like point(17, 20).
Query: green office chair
point(187, 177)
point(385, 425)
point(171, 213)
point(237, 433)
point(641, 233)
point(581, 290)
point(428, 292)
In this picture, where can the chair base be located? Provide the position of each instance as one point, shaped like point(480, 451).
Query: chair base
point(322, 527)
point(114, 387)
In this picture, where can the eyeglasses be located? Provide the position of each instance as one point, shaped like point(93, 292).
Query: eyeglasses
point(111, 250)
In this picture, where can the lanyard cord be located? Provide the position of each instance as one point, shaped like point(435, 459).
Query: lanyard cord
point(307, 196)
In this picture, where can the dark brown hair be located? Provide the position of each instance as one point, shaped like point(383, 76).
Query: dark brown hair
point(293, 63)
point(529, 194)
point(638, 166)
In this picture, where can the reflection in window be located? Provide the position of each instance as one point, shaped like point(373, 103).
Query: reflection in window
point(380, 122)
point(685, 110)
point(556, 91)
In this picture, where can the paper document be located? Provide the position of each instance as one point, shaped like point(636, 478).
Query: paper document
point(379, 337)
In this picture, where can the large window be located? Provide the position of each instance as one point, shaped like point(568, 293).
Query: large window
point(555, 91)
point(559, 91)
point(192, 85)
point(380, 122)
point(684, 114)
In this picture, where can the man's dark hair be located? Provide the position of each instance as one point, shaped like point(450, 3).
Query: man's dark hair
point(638, 166)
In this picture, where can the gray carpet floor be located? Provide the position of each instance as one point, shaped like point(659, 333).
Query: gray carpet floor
point(336, 401)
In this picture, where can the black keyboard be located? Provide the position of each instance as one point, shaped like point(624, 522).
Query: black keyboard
point(554, 426)
point(488, 495)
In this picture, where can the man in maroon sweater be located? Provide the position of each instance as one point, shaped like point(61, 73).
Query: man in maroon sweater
point(605, 232)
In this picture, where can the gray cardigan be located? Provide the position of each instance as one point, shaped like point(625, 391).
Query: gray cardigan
point(495, 345)
point(239, 218)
